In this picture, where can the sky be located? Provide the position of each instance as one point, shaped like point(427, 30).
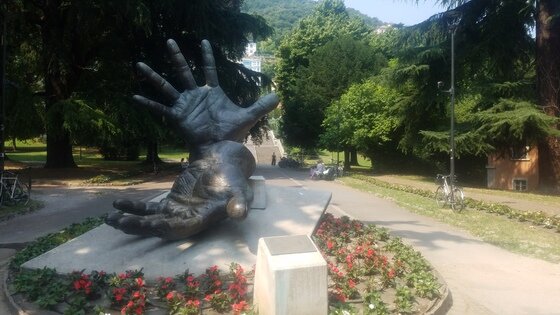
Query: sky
point(396, 11)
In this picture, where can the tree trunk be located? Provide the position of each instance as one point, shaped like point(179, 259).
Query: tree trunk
point(152, 155)
point(548, 85)
point(347, 159)
point(58, 79)
point(354, 157)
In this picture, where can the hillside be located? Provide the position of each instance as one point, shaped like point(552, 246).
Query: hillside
point(283, 15)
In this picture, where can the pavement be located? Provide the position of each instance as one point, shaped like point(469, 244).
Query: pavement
point(483, 279)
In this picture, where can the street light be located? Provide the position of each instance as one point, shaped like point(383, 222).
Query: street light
point(454, 18)
point(3, 45)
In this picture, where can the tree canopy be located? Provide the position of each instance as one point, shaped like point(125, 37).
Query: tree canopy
point(84, 53)
point(316, 63)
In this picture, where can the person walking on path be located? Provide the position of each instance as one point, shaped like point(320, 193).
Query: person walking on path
point(273, 158)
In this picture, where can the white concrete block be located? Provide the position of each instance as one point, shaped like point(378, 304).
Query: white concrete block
point(290, 277)
point(258, 185)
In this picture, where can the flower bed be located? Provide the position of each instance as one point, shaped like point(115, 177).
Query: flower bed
point(369, 273)
point(372, 273)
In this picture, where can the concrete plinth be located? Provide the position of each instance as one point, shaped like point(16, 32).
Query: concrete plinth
point(289, 211)
point(290, 277)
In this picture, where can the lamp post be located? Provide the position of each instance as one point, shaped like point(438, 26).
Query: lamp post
point(454, 18)
point(2, 82)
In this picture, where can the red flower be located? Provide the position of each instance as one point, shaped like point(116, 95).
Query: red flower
point(169, 296)
point(194, 303)
point(140, 282)
point(391, 273)
point(239, 307)
point(330, 244)
point(119, 293)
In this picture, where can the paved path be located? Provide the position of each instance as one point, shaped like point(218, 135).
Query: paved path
point(483, 279)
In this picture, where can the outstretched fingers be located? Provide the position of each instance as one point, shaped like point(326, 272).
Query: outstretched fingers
point(137, 207)
point(168, 228)
point(138, 225)
point(209, 64)
point(262, 107)
point(182, 69)
point(141, 100)
point(164, 87)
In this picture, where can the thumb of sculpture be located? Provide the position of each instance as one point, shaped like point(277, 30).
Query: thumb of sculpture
point(236, 209)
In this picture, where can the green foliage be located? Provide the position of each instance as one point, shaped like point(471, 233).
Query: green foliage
point(362, 118)
point(325, 43)
point(495, 81)
point(41, 286)
point(88, 80)
point(510, 122)
point(404, 301)
point(374, 305)
point(50, 241)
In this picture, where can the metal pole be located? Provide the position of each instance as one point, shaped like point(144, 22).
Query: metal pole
point(2, 88)
point(452, 109)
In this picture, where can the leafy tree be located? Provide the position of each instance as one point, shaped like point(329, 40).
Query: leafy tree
point(491, 73)
point(362, 118)
point(95, 72)
point(306, 81)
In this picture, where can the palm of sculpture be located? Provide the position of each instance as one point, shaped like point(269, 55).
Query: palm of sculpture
point(215, 185)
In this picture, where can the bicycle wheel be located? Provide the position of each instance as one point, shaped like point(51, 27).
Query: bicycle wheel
point(440, 196)
point(458, 203)
point(6, 197)
point(3, 195)
point(21, 193)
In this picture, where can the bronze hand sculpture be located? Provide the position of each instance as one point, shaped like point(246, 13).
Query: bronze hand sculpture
point(215, 184)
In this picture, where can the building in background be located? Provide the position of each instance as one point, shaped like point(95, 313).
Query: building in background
point(514, 169)
point(252, 60)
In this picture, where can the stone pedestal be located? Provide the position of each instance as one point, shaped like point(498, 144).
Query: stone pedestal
point(289, 211)
point(290, 277)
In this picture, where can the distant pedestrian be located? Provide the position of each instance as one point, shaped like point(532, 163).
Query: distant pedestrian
point(273, 158)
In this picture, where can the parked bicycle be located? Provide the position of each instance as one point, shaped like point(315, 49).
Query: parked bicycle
point(446, 197)
point(12, 190)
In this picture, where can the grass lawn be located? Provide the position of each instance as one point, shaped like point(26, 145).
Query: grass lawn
point(518, 237)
